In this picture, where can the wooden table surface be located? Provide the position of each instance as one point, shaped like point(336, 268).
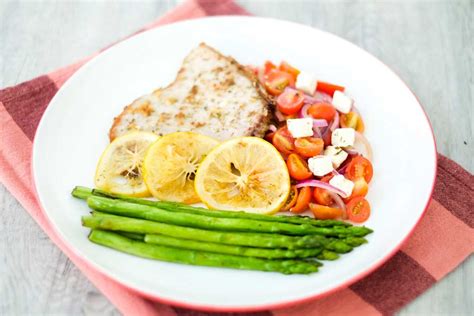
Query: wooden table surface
point(430, 44)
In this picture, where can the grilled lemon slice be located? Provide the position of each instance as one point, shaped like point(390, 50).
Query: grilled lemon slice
point(170, 165)
point(119, 168)
point(245, 174)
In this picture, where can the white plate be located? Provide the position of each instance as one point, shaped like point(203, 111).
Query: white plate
point(73, 133)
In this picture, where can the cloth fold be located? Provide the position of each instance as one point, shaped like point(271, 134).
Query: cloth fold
point(442, 240)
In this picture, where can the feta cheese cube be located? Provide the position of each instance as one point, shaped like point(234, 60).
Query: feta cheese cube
point(320, 165)
point(306, 82)
point(343, 137)
point(300, 127)
point(343, 184)
point(342, 102)
point(337, 155)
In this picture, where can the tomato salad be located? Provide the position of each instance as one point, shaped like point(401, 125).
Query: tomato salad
point(319, 133)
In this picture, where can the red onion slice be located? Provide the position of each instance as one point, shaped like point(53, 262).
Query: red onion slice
point(323, 97)
point(303, 113)
point(335, 122)
point(316, 128)
point(317, 132)
point(360, 140)
point(318, 98)
point(343, 167)
point(272, 128)
point(309, 99)
point(340, 203)
point(280, 117)
point(317, 123)
point(351, 151)
point(320, 123)
point(322, 185)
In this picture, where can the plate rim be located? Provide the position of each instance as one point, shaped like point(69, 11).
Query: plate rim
point(238, 308)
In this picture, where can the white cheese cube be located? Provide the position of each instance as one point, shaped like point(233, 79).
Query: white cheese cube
point(300, 127)
point(337, 155)
point(306, 82)
point(342, 102)
point(343, 137)
point(320, 165)
point(343, 184)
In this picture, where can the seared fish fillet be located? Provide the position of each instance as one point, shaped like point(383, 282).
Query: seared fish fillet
point(212, 94)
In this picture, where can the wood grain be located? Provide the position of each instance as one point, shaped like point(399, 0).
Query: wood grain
point(429, 44)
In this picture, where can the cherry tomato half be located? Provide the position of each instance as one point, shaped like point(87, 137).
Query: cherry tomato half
point(325, 212)
point(322, 111)
point(269, 137)
point(290, 102)
point(268, 66)
point(298, 167)
point(352, 120)
point(328, 88)
point(276, 81)
point(309, 146)
point(360, 188)
point(304, 197)
point(359, 167)
point(291, 201)
point(283, 141)
point(286, 67)
point(263, 71)
point(358, 210)
point(320, 195)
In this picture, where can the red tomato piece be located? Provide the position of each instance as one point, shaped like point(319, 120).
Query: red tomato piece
point(359, 167)
point(291, 201)
point(290, 102)
point(286, 67)
point(268, 66)
point(328, 88)
point(358, 210)
point(304, 197)
point(360, 188)
point(263, 71)
point(352, 120)
point(309, 146)
point(283, 141)
point(322, 111)
point(325, 212)
point(276, 81)
point(320, 195)
point(269, 137)
point(298, 167)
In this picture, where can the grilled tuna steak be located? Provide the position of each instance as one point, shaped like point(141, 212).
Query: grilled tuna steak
point(212, 94)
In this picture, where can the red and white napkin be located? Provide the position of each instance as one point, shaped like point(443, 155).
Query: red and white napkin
point(442, 240)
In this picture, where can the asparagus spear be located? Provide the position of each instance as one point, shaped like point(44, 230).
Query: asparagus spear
point(327, 255)
point(84, 193)
point(202, 258)
point(81, 192)
point(261, 240)
point(354, 241)
point(337, 245)
point(214, 223)
point(135, 236)
point(231, 249)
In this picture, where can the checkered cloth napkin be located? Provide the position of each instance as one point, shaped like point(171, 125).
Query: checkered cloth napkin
point(442, 240)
